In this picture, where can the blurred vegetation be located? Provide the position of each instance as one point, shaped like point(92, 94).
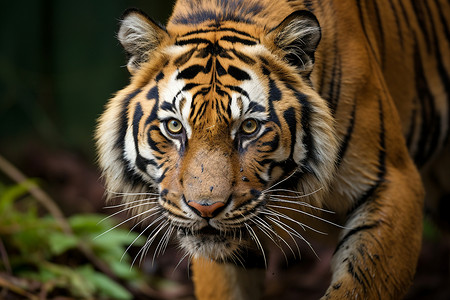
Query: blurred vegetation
point(45, 260)
point(59, 63)
point(43, 253)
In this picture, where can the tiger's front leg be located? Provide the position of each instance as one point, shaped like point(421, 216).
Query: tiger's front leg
point(376, 257)
point(224, 281)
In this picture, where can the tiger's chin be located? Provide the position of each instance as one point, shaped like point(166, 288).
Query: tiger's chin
point(211, 243)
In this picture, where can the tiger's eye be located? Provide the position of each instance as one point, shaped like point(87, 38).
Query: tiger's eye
point(249, 126)
point(174, 126)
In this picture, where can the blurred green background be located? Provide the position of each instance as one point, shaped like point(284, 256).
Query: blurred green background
point(59, 64)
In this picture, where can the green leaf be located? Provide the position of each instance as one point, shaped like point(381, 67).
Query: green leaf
point(10, 194)
point(60, 242)
point(124, 270)
point(105, 286)
point(86, 224)
point(120, 237)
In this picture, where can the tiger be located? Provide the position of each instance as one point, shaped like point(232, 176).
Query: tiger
point(250, 123)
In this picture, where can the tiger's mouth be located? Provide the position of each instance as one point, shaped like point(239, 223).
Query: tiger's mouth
point(207, 230)
point(211, 242)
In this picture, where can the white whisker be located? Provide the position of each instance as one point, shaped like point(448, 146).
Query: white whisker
point(292, 232)
point(257, 241)
point(131, 194)
point(162, 244)
point(308, 214)
point(279, 182)
point(122, 210)
point(281, 224)
point(131, 202)
point(154, 236)
point(155, 210)
point(276, 222)
point(181, 260)
point(151, 237)
point(301, 203)
point(264, 229)
point(127, 220)
point(140, 234)
point(299, 195)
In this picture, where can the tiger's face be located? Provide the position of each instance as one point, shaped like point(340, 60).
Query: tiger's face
point(215, 118)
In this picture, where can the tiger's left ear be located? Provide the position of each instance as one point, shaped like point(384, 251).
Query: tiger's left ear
point(298, 36)
point(139, 36)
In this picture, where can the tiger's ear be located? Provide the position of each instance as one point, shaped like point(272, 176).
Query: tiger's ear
point(298, 36)
point(139, 36)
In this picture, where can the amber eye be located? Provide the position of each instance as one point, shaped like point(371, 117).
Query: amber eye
point(174, 126)
point(249, 126)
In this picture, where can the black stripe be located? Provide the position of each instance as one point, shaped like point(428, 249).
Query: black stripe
point(445, 80)
point(335, 85)
point(274, 91)
point(348, 135)
point(290, 119)
point(246, 59)
point(238, 74)
point(353, 232)
point(422, 23)
point(221, 29)
point(190, 72)
point(352, 272)
point(260, 180)
point(308, 140)
point(159, 76)
point(370, 193)
point(238, 89)
point(167, 106)
point(405, 14)
point(120, 142)
point(309, 5)
point(161, 178)
point(190, 86)
point(272, 144)
point(412, 124)
point(443, 20)
point(137, 116)
point(365, 282)
point(153, 93)
point(381, 32)
point(184, 58)
point(306, 110)
point(235, 39)
point(429, 129)
point(194, 41)
point(273, 115)
point(151, 143)
point(220, 70)
point(397, 22)
point(254, 107)
point(140, 161)
point(363, 24)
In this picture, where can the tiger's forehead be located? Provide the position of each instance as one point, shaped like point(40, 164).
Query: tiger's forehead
point(213, 77)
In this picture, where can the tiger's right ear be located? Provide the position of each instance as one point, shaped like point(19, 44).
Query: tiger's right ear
point(139, 36)
point(298, 36)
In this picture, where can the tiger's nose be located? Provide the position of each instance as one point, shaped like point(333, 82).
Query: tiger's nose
point(206, 210)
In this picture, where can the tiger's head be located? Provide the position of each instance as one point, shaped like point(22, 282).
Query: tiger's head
point(216, 116)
